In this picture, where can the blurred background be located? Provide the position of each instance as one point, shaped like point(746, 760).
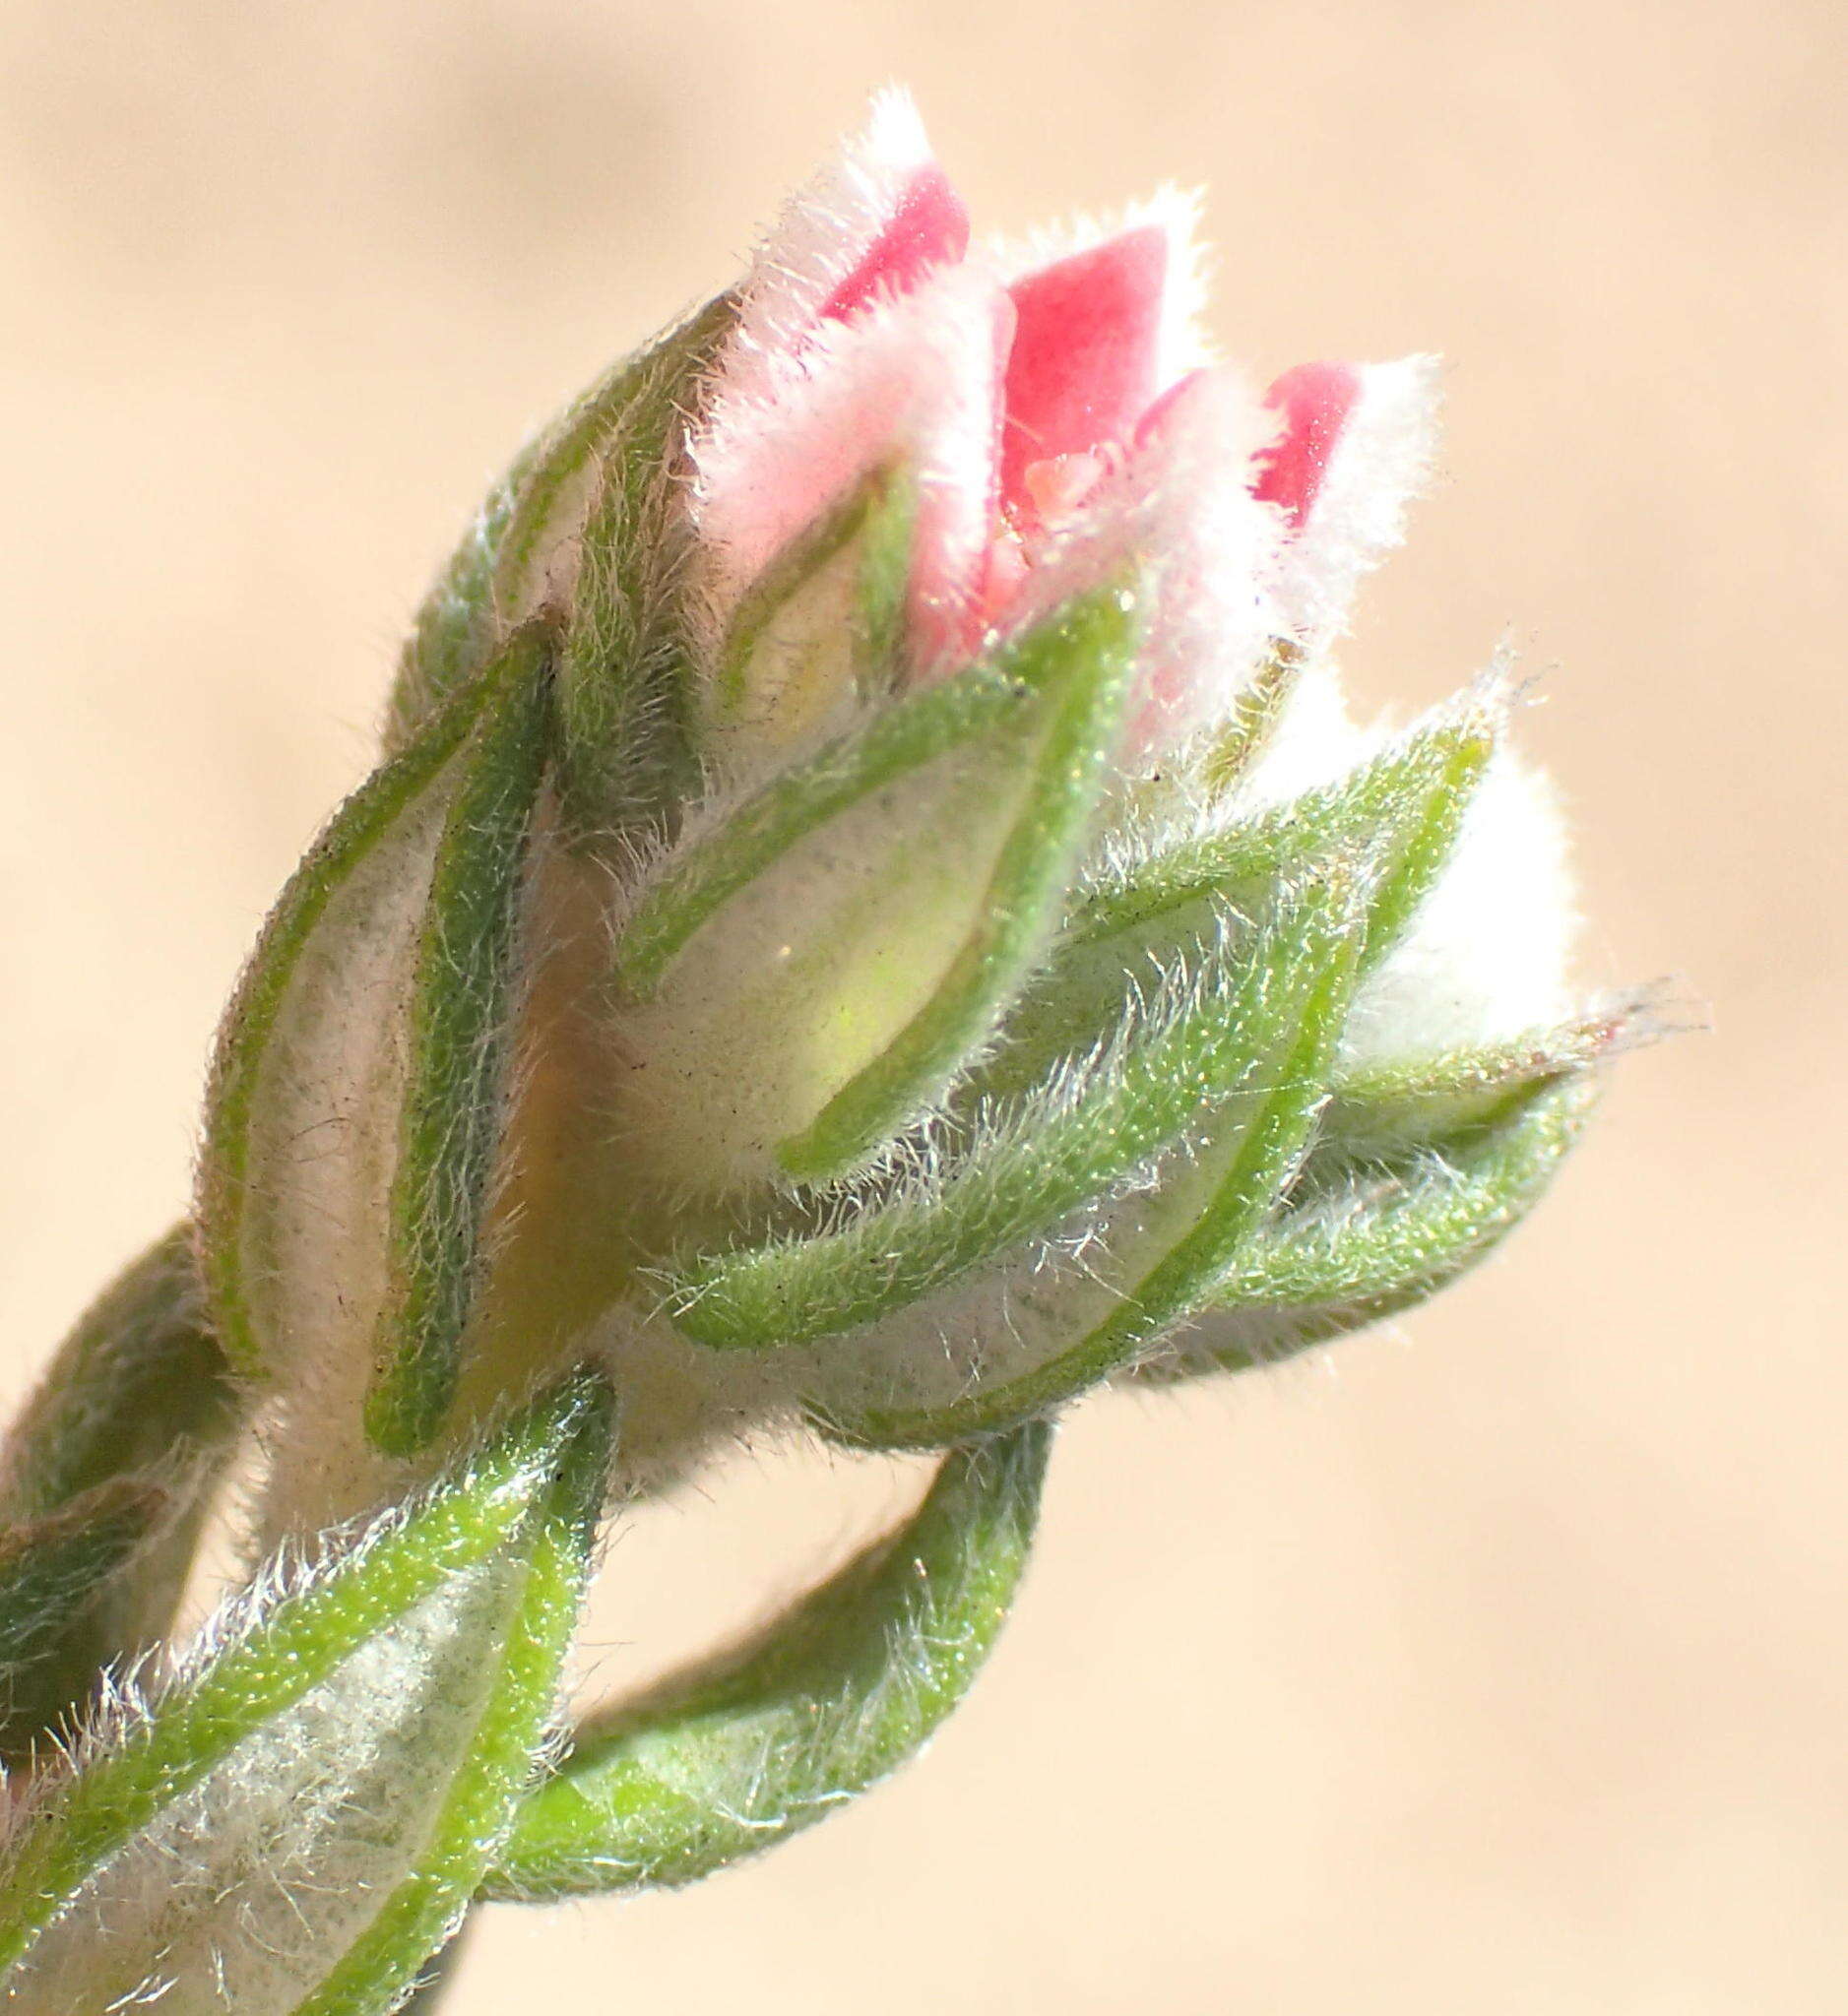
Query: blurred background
point(1498, 1662)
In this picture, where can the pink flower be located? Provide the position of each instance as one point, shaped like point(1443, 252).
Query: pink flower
point(1054, 410)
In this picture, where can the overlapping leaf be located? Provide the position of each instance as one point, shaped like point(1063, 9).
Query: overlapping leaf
point(297, 1818)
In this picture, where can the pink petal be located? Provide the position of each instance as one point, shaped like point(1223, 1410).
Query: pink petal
point(1315, 401)
point(1213, 621)
point(1178, 520)
point(929, 228)
point(1357, 444)
point(1087, 352)
point(913, 382)
point(871, 219)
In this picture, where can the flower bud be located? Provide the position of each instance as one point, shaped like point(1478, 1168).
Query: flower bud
point(875, 914)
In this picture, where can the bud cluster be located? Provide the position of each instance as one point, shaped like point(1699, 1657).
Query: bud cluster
point(877, 915)
point(873, 917)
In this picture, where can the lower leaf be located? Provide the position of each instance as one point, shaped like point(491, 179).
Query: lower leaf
point(103, 1484)
point(826, 1702)
point(295, 1820)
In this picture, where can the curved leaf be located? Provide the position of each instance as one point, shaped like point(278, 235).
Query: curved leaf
point(1014, 1340)
point(827, 1701)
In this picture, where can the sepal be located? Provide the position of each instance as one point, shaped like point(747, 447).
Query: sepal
point(1402, 808)
point(1014, 1167)
point(1392, 1106)
point(459, 1027)
point(730, 850)
point(61, 1577)
point(1019, 908)
point(1397, 817)
point(361, 1087)
point(626, 684)
point(302, 1047)
point(1386, 1235)
point(808, 973)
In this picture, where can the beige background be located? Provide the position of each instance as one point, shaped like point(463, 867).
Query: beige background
point(1497, 1665)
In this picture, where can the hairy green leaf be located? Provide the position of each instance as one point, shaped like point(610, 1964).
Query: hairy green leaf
point(345, 1730)
point(288, 1097)
point(828, 1700)
point(488, 1783)
point(924, 725)
point(498, 576)
point(1392, 1108)
point(1017, 1339)
point(1392, 1225)
point(102, 1485)
point(1394, 819)
point(1093, 641)
point(1404, 806)
point(460, 1013)
point(624, 679)
point(1019, 1169)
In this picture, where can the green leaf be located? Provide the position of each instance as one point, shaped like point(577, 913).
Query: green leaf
point(61, 1580)
point(625, 681)
point(1019, 1169)
point(1391, 1106)
point(52, 1566)
point(1405, 803)
point(1013, 1341)
point(289, 1107)
point(828, 1700)
point(103, 1486)
point(1094, 640)
point(1397, 817)
point(1383, 1237)
point(925, 724)
point(882, 590)
point(730, 701)
point(498, 577)
point(1254, 716)
point(486, 1789)
point(460, 1013)
point(140, 1377)
point(1238, 1340)
point(819, 634)
point(1394, 1225)
point(306, 1805)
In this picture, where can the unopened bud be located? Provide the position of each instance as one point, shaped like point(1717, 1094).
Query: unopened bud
point(877, 915)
